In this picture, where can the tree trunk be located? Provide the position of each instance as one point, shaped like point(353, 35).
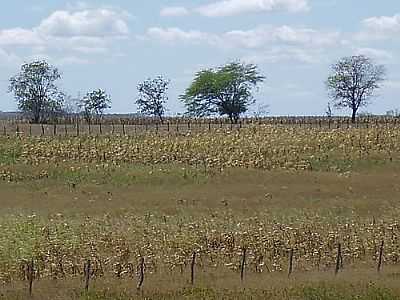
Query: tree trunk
point(353, 116)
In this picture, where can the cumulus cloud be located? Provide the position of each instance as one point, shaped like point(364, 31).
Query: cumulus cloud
point(174, 34)
point(63, 33)
point(174, 11)
point(271, 43)
point(259, 37)
point(237, 7)
point(382, 27)
point(378, 54)
point(92, 23)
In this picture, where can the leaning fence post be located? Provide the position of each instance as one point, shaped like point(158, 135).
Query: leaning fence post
point(242, 266)
point(192, 268)
point(380, 257)
point(141, 274)
point(338, 259)
point(290, 262)
point(31, 272)
point(86, 269)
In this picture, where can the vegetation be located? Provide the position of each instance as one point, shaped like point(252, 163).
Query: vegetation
point(226, 90)
point(266, 189)
point(152, 97)
point(353, 82)
point(36, 91)
point(94, 104)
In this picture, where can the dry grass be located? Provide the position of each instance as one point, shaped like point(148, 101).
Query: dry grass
point(62, 207)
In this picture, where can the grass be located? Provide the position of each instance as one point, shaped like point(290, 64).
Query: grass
point(163, 202)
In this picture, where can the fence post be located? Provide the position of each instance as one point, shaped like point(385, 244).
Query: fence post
point(380, 257)
point(31, 274)
point(141, 274)
point(243, 264)
point(290, 262)
point(54, 129)
point(42, 130)
point(338, 259)
point(86, 269)
point(192, 268)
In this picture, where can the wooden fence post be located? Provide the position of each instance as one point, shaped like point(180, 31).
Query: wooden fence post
point(380, 257)
point(31, 275)
point(339, 260)
point(243, 264)
point(86, 270)
point(141, 274)
point(290, 262)
point(192, 268)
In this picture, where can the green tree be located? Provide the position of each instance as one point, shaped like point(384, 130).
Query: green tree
point(226, 90)
point(36, 92)
point(94, 104)
point(153, 96)
point(353, 82)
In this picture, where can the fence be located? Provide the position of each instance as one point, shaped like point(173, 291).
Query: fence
point(182, 125)
point(92, 269)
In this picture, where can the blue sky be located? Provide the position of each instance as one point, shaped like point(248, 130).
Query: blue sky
point(116, 44)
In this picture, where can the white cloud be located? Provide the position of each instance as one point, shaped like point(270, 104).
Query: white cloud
point(259, 37)
point(264, 35)
point(237, 7)
point(20, 37)
point(378, 54)
point(63, 33)
point(382, 27)
point(265, 43)
point(174, 11)
point(173, 34)
point(97, 22)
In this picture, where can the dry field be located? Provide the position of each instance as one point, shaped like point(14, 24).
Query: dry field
point(242, 201)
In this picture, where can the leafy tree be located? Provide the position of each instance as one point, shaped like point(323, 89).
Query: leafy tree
point(94, 104)
point(226, 90)
point(36, 91)
point(153, 96)
point(353, 82)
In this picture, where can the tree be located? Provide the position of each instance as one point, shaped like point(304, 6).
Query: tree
point(153, 96)
point(94, 104)
point(353, 82)
point(226, 90)
point(36, 91)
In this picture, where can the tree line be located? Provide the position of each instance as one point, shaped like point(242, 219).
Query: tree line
point(227, 90)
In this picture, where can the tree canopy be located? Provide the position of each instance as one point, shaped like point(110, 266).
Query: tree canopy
point(353, 82)
point(36, 92)
point(153, 96)
point(94, 104)
point(226, 90)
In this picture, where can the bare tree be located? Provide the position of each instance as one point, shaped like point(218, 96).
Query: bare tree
point(36, 91)
point(153, 96)
point(353, 82)
point(94, 104)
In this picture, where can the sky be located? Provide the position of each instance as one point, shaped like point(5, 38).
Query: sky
point(114, 45)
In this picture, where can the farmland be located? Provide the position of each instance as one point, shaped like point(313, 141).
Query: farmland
point(240, 200)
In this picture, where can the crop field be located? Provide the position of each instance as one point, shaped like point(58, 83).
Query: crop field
point(257, 212)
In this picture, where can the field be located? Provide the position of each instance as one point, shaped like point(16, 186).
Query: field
point(256, 212)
